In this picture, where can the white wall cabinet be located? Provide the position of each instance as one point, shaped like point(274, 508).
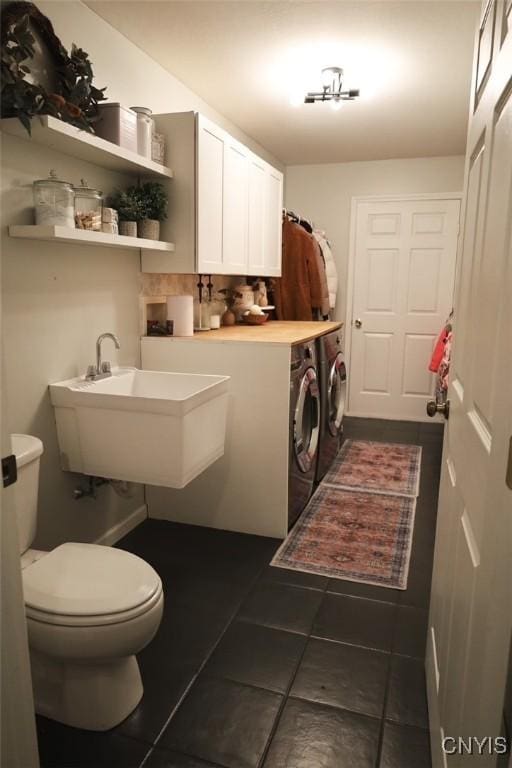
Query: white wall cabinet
point(258, 176)
point(225, 203)
point(209, 198)
point(235, 209)
point(273, 218)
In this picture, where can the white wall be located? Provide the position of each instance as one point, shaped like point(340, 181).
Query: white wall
point(132, 77)
point(323, 193)
point(56, 299)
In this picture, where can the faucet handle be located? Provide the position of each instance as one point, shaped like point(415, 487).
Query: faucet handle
point(106, 367)
point(91, 372)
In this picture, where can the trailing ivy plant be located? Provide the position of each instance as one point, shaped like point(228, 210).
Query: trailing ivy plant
point(75, 99)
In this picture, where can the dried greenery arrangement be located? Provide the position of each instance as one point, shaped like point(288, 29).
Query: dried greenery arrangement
point(74, 99)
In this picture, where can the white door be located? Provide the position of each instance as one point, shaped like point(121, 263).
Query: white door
point(471, 608)
point(210, 184)
point(403, 274)
point(18, 741)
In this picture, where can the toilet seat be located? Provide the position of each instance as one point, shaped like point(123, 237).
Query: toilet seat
point(97, 620)
point(89, 585)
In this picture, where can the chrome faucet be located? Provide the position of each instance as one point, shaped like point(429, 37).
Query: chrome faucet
point(102, 369)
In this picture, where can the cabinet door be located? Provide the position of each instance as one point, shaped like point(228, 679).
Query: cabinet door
point(236, 208)
point(257, 209)
point(210, 183)
point(273, 222)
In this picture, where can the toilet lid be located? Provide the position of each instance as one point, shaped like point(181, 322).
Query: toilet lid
point(87, 580)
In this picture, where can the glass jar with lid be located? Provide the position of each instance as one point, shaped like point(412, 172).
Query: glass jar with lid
point(88, 207)
point(54, 202)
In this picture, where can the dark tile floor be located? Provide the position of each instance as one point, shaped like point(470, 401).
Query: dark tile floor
point(259, 667)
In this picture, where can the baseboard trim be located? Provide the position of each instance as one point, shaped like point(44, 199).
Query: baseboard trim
point(125, 526)
point(424, 419)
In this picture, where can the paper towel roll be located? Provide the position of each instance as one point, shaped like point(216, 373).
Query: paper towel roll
point(180, 309)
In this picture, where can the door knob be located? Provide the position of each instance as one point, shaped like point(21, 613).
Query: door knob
point(358, 323)
point(434, 407)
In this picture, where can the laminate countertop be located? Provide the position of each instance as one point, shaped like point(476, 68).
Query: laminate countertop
point(272, 332)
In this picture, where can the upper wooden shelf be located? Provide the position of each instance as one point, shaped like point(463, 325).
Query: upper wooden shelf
point(58, 135)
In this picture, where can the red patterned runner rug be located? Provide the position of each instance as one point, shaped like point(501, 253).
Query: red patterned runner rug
point(377, 467)
point(359, 524)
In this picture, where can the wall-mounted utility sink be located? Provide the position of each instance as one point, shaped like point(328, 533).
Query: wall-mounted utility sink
point(144, 426)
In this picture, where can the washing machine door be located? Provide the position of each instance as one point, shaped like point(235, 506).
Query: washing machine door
point(306, 424)
point(336, 394)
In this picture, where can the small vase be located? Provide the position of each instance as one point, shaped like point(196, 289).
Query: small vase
point(128, 228)
point(149, 229)
point(228, 318)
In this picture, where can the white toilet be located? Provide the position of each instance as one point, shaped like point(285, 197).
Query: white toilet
point(89, 610)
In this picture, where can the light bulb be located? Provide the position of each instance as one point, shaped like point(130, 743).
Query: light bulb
point(327, 77)
point(332, 77)
point(336, 104)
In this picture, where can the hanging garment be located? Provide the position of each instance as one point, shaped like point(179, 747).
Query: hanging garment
point(302, 289)
point(320, 301)
point(437, 354)
point(330, 266)
point(440, 361)
point(439, 347)
point(443, 374)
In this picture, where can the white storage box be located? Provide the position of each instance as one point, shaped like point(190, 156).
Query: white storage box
point(117, 124)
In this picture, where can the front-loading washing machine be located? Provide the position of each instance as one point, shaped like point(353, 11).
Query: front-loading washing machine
point(304, 427)
point(333, 388)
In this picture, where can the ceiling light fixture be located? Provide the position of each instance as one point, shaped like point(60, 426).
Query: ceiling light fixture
point(332, 89)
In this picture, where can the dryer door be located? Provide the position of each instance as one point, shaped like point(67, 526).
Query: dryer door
point(306, 424)
point(336, 394)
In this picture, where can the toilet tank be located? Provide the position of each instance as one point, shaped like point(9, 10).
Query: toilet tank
point(27, 450)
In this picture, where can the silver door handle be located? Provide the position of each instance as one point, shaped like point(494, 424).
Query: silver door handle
point(434, 407)
point(358, 323)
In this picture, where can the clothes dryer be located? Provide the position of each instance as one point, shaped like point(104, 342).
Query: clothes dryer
point(333, 389)
point(304, 427)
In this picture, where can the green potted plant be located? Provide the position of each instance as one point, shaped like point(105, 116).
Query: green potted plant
point(154, 201)
point(129, 208)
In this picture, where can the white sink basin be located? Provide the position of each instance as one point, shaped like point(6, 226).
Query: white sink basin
point(144, 426)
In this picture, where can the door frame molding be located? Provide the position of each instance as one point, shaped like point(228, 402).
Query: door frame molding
point(354, 204)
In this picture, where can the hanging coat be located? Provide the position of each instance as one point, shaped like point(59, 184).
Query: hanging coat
point(330, 266)
point(303, 285)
